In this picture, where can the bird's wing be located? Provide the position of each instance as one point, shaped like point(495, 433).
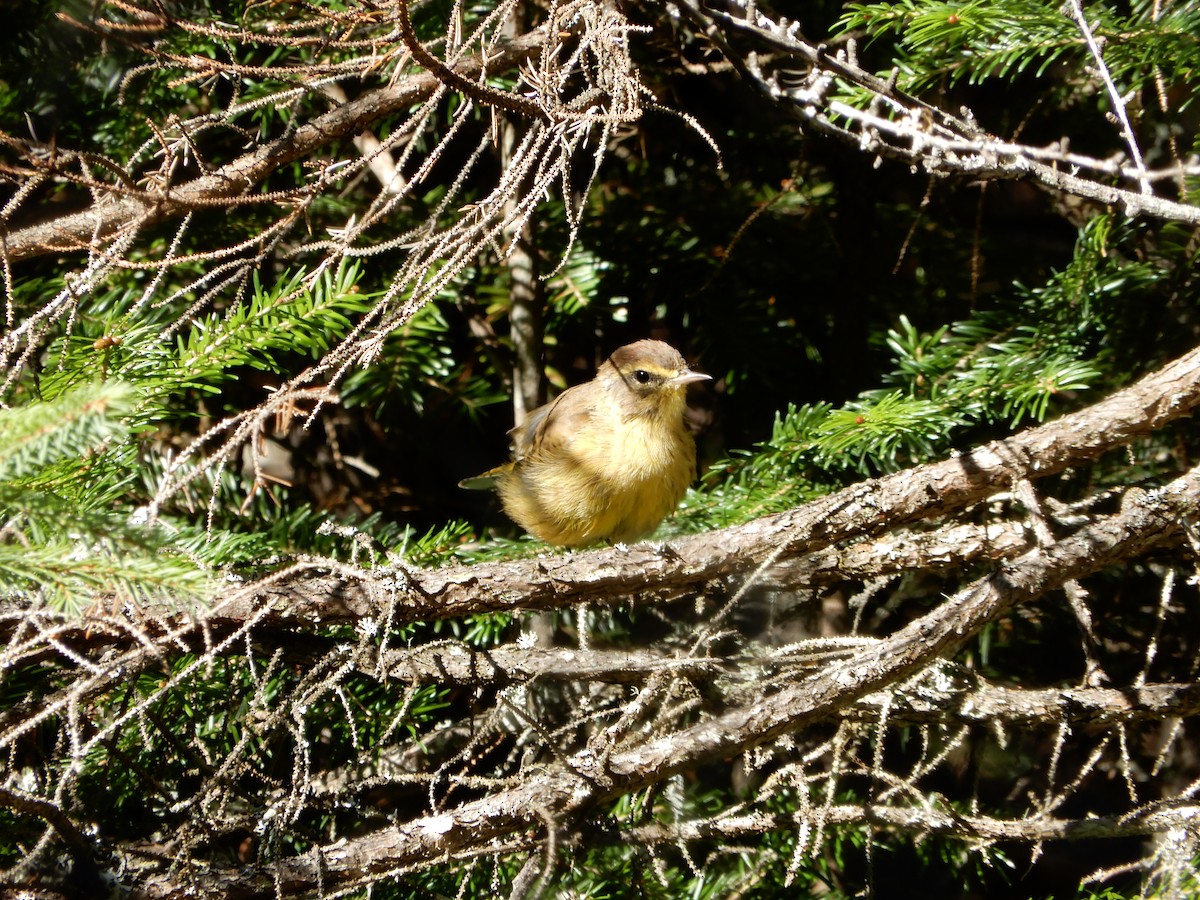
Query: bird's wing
point(549, 427)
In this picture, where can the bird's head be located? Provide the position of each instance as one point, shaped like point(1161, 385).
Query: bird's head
point(649, 378)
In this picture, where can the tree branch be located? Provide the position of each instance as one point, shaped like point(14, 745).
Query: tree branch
point(233, 183)
point(563, 791)
point(916, 822)
point(917, 132)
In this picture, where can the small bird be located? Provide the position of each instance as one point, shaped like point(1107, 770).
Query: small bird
point(606, 460)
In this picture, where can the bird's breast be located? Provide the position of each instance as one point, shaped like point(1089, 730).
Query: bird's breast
point(614, 480)
point(644, 450)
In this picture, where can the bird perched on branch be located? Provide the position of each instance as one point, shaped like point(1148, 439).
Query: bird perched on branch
point(606, 460)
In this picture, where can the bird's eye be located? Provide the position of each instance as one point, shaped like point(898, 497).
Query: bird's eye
point(642, 376)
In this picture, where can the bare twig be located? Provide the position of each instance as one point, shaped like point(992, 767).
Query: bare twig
point(1075, 9)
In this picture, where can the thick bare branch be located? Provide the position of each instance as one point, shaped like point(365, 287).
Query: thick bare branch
point(916, 822)
point(458, 664)
point(989, 705)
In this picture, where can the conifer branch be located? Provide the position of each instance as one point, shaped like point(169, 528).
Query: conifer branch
point(898, 125)
point(233, 184)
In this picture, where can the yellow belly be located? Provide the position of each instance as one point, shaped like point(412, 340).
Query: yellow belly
point(606, 488)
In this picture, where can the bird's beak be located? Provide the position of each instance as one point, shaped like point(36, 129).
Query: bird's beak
point(687, 376)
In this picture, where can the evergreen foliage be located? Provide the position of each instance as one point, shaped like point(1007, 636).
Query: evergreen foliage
point(946, 43)
point(61, 475)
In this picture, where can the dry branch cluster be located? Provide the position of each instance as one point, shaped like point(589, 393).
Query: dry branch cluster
point(544, 740)
point(773, 53)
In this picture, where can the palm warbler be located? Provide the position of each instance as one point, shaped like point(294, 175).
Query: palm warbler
point(605, 460)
